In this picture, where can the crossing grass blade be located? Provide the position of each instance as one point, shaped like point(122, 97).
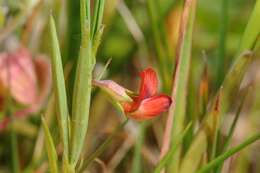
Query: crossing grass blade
point(218, 160)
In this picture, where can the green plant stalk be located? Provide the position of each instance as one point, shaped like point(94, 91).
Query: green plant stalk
point(14, 149)
point(50, 148)
point(136, 165)
point(82, 87)
point(102, 147)
point(252, 30)
point(181, 77)
point(222, 41)
point(173, 149)
point(228, 153)
point(59, 89)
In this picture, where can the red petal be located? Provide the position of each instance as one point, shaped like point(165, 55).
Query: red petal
point(149, 84)
point(151, 107)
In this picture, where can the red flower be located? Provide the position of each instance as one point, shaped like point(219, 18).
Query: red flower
point(27, 79)
point(147, 104)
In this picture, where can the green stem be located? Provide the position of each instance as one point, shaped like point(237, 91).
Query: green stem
point(14, 149)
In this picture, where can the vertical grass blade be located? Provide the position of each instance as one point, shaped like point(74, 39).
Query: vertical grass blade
point(228, 153)
point(50, 148)
point(252, 30)
point(183, 57)
point(59, 87)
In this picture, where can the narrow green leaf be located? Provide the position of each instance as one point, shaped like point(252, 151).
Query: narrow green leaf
point(228, 153)
point(59, 87)
point(173, 149)
point(50, 148)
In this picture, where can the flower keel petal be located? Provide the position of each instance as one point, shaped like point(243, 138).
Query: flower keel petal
point(151, 107)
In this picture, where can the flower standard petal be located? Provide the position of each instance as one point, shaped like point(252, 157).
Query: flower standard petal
point(151, 107)
point(149, 84)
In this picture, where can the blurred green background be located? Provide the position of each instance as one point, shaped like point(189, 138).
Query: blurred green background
point(137, 34)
